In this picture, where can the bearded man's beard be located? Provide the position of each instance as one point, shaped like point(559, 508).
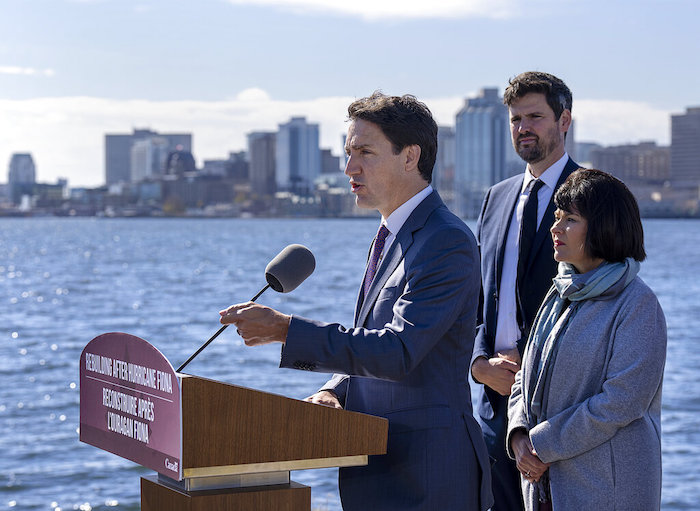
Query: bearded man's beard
point(537, 151)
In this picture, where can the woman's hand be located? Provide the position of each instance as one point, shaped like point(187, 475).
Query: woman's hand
point(529, 465)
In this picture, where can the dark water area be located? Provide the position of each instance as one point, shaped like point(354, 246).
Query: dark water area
point(65, 281)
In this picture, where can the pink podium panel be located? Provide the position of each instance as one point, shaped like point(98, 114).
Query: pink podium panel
point(130, 402)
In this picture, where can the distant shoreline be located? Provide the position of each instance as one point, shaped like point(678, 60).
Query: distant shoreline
point(4, 215)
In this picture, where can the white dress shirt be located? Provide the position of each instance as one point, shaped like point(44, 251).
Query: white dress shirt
point(399, 216)
point(507, 330)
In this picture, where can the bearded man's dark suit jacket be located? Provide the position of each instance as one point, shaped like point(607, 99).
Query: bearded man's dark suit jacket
point(492, 232)
point(407, 356)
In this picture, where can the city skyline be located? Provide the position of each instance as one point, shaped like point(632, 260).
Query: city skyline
point(222, 69)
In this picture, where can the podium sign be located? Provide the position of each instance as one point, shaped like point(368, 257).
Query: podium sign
point(130, 402)
point(219, 446)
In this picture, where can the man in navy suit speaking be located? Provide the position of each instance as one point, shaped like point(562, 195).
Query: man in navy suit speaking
point(407, 354)
point(517, 258)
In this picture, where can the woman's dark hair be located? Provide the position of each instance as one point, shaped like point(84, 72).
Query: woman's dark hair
point(404, 121)
point(614, 227)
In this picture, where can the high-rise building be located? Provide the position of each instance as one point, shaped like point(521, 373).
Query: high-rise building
point(481, 137)
point(330, 164)
point(21, 169)
point(570, 143)
point(21, 176)
point(298, 157)
point(444, 170)
point(118, 151)
point(685, 148)
point(261, 155)
point(237, 166)
point(148, 158)
point(345, 156)
point(179, 162)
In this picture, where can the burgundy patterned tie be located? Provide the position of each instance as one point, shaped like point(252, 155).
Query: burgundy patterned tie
point(379, 240)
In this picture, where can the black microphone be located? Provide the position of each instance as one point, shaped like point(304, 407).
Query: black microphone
point(284, 273)
point(290, 268)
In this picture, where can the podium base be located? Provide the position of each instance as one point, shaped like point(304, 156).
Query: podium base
point(156, 496)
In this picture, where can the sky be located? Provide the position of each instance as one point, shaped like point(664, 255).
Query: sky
point(73, 70)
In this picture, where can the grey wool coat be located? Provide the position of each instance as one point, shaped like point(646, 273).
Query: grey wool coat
point(602, 433)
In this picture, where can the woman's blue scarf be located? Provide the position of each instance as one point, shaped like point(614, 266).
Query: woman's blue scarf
point(570, 289)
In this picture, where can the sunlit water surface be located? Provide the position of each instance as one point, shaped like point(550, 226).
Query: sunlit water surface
point(65, 281)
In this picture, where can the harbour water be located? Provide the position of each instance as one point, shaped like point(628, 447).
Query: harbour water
point(65, 281)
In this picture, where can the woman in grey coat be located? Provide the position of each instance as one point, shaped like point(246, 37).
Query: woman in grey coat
point(584, 420)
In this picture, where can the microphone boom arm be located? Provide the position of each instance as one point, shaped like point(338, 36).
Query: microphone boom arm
point(179, 369)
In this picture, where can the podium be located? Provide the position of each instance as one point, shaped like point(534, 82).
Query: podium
point(215, 446)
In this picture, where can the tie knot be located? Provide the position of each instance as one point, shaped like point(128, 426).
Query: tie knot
point(535, 185)
point(382, 233)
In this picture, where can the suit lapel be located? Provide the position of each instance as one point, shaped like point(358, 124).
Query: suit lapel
point(386, 267)
point(512, 196)
point(395, 254)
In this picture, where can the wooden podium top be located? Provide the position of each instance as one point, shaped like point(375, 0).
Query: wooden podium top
point(224, 426)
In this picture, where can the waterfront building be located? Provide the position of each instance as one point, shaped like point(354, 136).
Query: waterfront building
point(21, 176)
point(238, 167)
point(481, 138)
point(583, 152)
point(235, 167)
point(194, 192)
point(685, 148)
point(261, 162)
point(297, 156)
point(635, 164)
point(214, 168)
point(48, 196)
point(118, 151)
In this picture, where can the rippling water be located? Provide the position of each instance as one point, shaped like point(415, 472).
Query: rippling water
point(64, 281)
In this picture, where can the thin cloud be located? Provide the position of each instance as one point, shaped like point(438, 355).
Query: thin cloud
point(26, 71)
point(611, 122)
point(397, 9)
point(66, 135)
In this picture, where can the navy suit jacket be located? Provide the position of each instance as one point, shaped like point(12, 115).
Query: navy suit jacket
point(492, 232)
point(407, 357)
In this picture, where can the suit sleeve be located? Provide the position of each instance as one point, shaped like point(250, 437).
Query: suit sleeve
point(633, 377)
point(338, 384)
point(441, 276)
point(482, 348)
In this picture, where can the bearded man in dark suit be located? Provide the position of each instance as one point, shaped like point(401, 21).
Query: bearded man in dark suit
point(517, 264)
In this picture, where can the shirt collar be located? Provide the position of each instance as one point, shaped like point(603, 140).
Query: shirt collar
point(399, 216)
point(549, 177)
